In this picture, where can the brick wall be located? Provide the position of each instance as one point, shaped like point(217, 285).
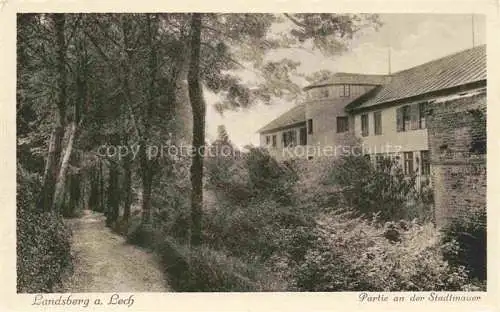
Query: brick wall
point(457, 136)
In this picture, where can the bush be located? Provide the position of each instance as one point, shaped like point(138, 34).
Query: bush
point(43, 241)
point(385, 190)
point(352, 254)
point(203, 269)
point(227, 175)
point(269, 178)
point(466, 236)
point(261, 226)
point(141, 234)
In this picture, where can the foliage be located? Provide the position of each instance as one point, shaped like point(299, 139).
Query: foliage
point(384, 189)
point(263, 226)
point(43, 248)
point(140, 234)
point(225, 169)
point(466, 236)
point(270, 178)
point(203, 269)
point(125, 75)
point(352, 254)
point(314, 190)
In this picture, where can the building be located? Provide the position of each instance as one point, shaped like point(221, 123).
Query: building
point(385, 113)
point(421, 116)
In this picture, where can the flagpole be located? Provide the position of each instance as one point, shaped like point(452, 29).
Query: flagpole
point(389, 53)
point(389, 58)
point(473, 33)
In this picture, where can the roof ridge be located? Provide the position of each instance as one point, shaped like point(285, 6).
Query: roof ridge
point(459, 68)
point(441, 58)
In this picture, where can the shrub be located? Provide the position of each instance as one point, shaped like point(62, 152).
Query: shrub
point(270, 178)
point(352, 254)
point(142, 235)
point(314, 191)
point(467, 236)
point(226, 172)
point(385, 190)
point(203, 269)
point(261, 227)
point(43, 246)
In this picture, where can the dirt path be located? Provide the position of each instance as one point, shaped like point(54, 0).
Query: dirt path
point(104, 262)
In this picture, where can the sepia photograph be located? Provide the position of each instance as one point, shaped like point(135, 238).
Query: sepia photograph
point(250, 152)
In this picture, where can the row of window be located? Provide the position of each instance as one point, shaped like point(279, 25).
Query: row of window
point(269, 138)
point(413, 162)
point(332, 91)
point(289, 138)
point(408, 117)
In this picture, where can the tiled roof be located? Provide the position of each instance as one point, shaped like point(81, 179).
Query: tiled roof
point(450, 71)
point(295, 115)
point(350, 78)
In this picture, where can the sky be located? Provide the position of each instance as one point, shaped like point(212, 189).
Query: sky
point(413, 39)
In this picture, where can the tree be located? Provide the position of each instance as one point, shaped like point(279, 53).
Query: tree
point(55, 146)
point(199, 110)
point(246, 33)
point(126, 74)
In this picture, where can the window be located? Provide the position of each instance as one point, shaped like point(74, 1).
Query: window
point(345, 91)
point(268, 140)
point(414, 116)
point(303, 136)
point(406, 118)
point(411, 117)
point(324, 92)
point(289, 138)
point(408, 162)
point(383, 161)
point(422, 112)
point(425, 162)
point(364, 125)
point(274, 140)
point(342, 124)
point(403, 118)
point(377, 121)
point(310, 126)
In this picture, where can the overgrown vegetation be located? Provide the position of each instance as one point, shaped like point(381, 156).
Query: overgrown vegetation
point(384, 189)
point(353, 254)
point(465, 237)
point(297, 245)
point(43, 246)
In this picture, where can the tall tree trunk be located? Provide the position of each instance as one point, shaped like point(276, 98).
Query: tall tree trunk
point(46, 201)
point(147, 181)
point(127, 98)
point(94, 195)
point(198, 109)
point(146, 161)
point(61, 179)
point(127, 189)
point(74, 194)
point(102, 207)
point(113, 194)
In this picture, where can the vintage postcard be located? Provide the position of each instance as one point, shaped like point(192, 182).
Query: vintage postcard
point(238, 158)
